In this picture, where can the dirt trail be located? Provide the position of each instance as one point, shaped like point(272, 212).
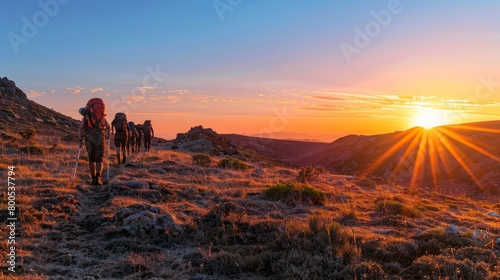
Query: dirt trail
point(79, 250)
point(91, 201)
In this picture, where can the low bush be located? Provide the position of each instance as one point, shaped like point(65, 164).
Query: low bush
point(446, 267)
point(202, 159)
point(27, 134)
point(233, 163)
point(366, 183)
point(307, 174)
point(433, 240)
point(294, 194)
point(396, 207)
point(33, 150)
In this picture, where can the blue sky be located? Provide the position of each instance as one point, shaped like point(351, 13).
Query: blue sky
point(222, 69)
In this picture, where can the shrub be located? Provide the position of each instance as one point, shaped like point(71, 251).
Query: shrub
point(395, 207)
point(8, 111)
point(335, 238)
point(33, 150)
point(366, 183)
point(364, 270)
point(70, 137)
point(446, 267)
point(27, 134)
point(233, 163)
point(433, 240)
point(307, 174)
point(202, 159)
point(293, 194)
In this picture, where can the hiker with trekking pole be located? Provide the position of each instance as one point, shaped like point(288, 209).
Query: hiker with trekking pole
point(92, 130)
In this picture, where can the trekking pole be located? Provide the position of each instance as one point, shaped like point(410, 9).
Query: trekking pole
point(109, 151)
point(76, 165)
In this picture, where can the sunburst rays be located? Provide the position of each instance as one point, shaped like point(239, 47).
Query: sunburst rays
point(429, 156)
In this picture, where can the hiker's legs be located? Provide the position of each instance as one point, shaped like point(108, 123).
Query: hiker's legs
point(98, 167)
point(120, 144)
point(94, 143)
point(132, 143)
point(124, 155)
point(92, 169)
point(147, 142)
point(118, 153)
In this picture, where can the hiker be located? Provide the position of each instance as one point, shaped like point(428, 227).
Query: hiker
point(121, 137)
point(92, 129)
point(138, 140)
point(131, 138)
point(149, 133)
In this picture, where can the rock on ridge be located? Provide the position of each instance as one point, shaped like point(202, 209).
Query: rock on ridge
point(205, 140)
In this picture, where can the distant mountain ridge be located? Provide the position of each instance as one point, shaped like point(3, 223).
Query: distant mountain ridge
point(276, 148)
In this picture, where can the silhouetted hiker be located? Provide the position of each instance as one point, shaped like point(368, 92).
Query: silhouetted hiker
point(138, 140)
point(92, 129)
point(122, 132)
point(131, 138)
point(149, 133)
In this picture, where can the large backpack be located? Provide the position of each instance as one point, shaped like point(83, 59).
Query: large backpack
point(140, 130)
point(120, 122)
point(96, 113)
point(146, 127)
point(131, 126)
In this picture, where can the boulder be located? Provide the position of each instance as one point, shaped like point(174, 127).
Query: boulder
point(494, 214)
point(260, 171)
point(453, 230)
point(149, 223)
point(133, 209)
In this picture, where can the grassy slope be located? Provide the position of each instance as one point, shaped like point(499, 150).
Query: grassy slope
point(231, 230)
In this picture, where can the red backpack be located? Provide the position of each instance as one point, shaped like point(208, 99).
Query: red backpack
point(96, 113)
point(120, 122)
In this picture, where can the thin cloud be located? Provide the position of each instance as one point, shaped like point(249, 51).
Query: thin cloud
point(334, 98)
point(179, 91)
point(94, 90)
point(135, 99)
point(35, 94)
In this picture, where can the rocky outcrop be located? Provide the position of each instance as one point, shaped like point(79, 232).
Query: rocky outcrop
point(146, 220)
point(9, 88)
point(205, 140)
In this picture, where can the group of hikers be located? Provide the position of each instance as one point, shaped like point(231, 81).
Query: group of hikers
point(94, 129)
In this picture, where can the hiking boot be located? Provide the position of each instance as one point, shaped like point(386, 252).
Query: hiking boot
point(98, 181)
point(93, 180)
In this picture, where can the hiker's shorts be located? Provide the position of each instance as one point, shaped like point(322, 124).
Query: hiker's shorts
point(120, 140)
point(94, 142)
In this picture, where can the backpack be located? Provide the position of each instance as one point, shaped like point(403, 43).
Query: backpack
point(133, 131)
point(139, 128)
point(146, 127)
point(120, 122)
point(96, 113)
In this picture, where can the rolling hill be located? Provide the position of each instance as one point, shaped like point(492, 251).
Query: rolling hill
point(459, 159)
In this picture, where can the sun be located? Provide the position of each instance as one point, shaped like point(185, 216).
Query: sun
point(429, 118)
